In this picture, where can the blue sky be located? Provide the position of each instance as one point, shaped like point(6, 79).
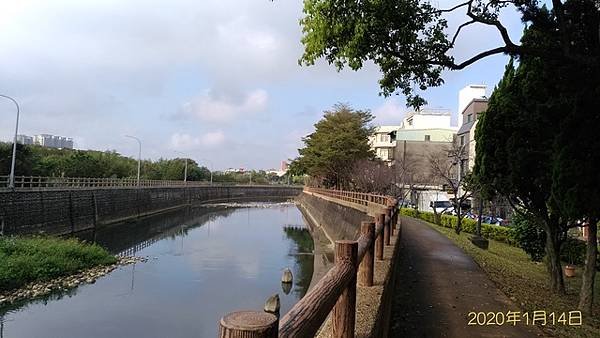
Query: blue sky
point(213, 79)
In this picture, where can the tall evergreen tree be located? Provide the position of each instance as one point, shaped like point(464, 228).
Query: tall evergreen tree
point(340, 139)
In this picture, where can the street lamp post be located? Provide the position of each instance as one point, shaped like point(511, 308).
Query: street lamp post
point(11, 178)
point(139, 157)
point(185, 171)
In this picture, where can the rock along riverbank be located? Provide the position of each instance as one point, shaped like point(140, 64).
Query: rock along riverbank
point(38, 289)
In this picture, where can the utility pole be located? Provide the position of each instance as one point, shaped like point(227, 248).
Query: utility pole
point(11, 179)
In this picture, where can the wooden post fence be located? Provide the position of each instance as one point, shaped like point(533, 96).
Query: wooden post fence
point(335, 292)
point(366, 267)
point(249, 324)
point(379, 227)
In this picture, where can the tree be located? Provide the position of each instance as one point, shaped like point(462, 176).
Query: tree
point(373, 176)
point(575, 171)
point(340, 139)
point(533, 149)
point(529, 235)
point(514, 151)
point(409, 42)
point(24, 160)
point(446, 167)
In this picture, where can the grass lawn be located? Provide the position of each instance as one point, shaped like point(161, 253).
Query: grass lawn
point(25, 260)
point(526, 283)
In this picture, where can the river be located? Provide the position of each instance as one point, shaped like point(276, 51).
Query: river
point(202, 263)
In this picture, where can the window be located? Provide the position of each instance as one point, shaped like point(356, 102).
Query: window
point(462, 140)
point(469, 117)
point(384, 138)
point(427, 137)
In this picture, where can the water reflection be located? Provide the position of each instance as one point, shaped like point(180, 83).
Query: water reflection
point(303, 255)
point(203, 263)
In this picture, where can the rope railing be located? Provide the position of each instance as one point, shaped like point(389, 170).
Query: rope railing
point(335, 292)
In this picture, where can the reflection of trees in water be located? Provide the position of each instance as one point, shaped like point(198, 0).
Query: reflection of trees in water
point(303, 256)
point(126, 236)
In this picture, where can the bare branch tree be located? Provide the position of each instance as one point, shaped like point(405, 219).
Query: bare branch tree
point(446, 166)
point(372, 176)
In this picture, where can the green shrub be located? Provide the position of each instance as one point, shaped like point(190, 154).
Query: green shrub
point(495, 232)
point(529, 236)
point(573, 251)
point(26, 260)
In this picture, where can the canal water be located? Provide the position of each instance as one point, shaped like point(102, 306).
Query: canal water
point(202, 263)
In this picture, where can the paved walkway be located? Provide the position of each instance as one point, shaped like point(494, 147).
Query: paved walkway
point(438, 285)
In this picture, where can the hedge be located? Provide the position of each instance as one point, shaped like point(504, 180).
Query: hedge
point(490, 231)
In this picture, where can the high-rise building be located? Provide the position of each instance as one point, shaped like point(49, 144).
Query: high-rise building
point(52, 141)
point(473, 101)
point(24, 139)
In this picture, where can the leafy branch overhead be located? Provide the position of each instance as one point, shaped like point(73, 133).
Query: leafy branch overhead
point(410, 42)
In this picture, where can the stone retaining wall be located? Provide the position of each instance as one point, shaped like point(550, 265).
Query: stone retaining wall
point(341, 220)
point(67, 211)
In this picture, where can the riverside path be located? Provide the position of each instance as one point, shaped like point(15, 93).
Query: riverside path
point(439, 284)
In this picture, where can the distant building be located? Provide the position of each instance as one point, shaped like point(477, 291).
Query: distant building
point(470, 92)
point(381, 142)
point(24, 139)
point(234, 170)
point(413, 164)
point(282, 170)
point(428, 125)
point(473, 101)
point(53, 141)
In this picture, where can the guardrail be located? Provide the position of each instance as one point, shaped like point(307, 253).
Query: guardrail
point(40, 182)
point(351, 196)
point(336, 291)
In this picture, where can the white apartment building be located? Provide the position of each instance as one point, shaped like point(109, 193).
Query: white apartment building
point(52, 141)
point(429, 118)
point(428, 125)
point(24, 139)
point(382, 143)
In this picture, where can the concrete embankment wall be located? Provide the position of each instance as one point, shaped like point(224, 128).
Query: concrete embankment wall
point(337, 220)
point(67, 211)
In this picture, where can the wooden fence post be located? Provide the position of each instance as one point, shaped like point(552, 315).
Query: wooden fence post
point(387, 226)
point(249, 324)
point(344, 312)
point(365, 269)
point(379, 220)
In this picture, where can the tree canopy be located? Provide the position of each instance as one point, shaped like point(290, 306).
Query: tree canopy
point(409, 39)
point(40, 161)
point(536, 145)
point(340, 139)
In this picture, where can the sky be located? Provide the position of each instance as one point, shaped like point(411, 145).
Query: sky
point(217, 81)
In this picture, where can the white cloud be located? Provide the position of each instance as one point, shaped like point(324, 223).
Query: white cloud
point(213, 139)
point(390, 112)
point(186, 142)
point(211, 107)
